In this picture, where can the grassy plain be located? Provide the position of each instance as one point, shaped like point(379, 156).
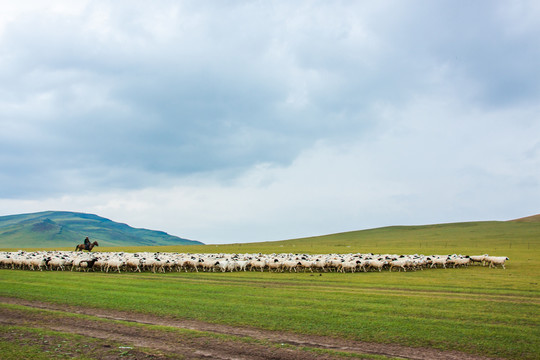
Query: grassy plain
point(478, 310)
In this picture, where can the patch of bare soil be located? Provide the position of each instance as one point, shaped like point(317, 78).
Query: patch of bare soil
point(248, 343)
point(53, 346)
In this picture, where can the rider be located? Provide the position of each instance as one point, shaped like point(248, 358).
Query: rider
point(87, 243)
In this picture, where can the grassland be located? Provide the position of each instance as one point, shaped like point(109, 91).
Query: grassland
point(478, 310)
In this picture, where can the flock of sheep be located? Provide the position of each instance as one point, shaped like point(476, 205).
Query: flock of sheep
point(163, 262)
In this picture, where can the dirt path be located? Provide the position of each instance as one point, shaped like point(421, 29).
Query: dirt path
point(238, 342)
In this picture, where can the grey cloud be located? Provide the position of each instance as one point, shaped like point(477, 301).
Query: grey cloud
point(150, 93)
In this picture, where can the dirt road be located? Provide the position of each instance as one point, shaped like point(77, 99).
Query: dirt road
point(135, 334)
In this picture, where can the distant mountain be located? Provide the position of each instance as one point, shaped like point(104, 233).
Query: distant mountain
point(64, 229)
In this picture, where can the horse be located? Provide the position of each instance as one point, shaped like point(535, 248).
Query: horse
point(83, 247)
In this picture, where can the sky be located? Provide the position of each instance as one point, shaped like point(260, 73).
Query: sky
point(247, 121)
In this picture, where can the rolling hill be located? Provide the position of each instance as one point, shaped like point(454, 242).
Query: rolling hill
point(531, 219)
point(494, 237)
point(51, 229)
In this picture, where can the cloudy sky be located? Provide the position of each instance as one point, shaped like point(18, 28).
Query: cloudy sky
point(242, 121)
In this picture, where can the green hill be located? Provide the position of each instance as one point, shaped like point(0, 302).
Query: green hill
point(493, 237)
point(53, 229)
point(534, 218)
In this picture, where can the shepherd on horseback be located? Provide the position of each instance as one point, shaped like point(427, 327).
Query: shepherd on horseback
point(87, 245)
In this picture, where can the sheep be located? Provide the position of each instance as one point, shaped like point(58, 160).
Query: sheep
point(400, 264)
point(115, 263)
point(319, 264)
point(438, 260)
point(274, 264)
point(38, 262)
point(208, 264)
point(361, 264)
point(348, 266)
point(290, 265)
point(87, 264)
point(163, 262)
point(58, 263)
point(222, 265)
point(334, 263)
point(496, 260)
point(6, 261)
point(376, 264)
point(479, 259)
point(257, 264)
point(462, 261)
point(101, 264)
point(241, 265)
point(134, 264)
point(191, 263)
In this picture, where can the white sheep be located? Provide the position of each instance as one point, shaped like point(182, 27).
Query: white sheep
point(439, 260)
point(496, 260)
point(376, 264)
point(400, 264)
point(162, 262)
point(479, 258)
point(115, 263)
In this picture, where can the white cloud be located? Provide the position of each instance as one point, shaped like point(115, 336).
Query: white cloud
point(257, 121)
point(433, 163)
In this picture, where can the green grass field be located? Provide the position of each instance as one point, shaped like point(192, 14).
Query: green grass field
point(492, 312)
